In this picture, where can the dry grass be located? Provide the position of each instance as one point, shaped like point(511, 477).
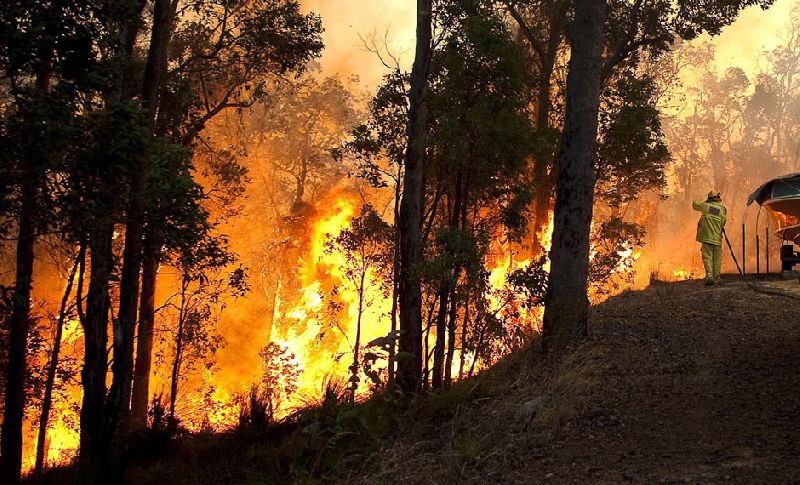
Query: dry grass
point(664, 389)
point(477, 429)
point(568, 391)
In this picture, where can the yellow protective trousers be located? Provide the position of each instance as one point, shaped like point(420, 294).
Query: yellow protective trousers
point(712, 260)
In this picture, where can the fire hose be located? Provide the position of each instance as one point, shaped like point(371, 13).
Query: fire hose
point(733, 254)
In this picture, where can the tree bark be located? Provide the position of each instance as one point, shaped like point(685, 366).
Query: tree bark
point(460, 222)
point(172, 422)
point(542, 177)
point(18, 326)
point(567, 304)
point(437, 374)
point(357, 345)
point(52, 367)
point(395, 282)
point(115, 427)
point(161, 35)
point(463, 340)
point(95, 367)
point(19, 322)
point(409, 362)
point(119, 395)
point(447, 291)
point(140, 397)
point(452, 327)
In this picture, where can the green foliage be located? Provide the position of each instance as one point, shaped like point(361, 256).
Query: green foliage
point(377, 147)
point(229, 54)
point(632, 154)
point(692, 18)
point(71, 32)
point(479, 101)
point(653, 25)
point(112, 137)
point(531, 283)
point(338, 437)
point(451, 248)
point(38, 136)
point(614, 241)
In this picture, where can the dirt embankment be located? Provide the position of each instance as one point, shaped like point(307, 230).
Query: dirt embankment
point(680, 383)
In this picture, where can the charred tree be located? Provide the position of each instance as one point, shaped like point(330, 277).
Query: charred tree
point(567, 303)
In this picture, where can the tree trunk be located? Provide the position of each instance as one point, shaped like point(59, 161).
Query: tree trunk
point(79, 289)
point(95, 367)
point(172, 422)
point(462, 355)
point(426, 352)
point(140, 397)
point(567, 304)
point(19, 322)
point(118, 400)
point(447, 290)
point(460, 222)
point(18, 326)
point(542, 177)
point(437, 375)
point(161, 34)
point(357, 345)
point(410, 348)
point(478, 349)
point(395, 282)
point(119, 395)
point(452, 325)
point(52, 367)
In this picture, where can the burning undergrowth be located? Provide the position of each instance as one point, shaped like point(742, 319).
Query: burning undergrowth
point(332, 320)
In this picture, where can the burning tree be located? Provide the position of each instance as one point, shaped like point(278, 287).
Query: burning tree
point(113, 116)
point(202, 289)
point(475, 183)
point(366, 248)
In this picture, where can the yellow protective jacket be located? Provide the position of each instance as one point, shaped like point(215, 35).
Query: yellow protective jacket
point(711, 223)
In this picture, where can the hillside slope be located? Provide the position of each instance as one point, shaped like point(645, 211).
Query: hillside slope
point(680, 383)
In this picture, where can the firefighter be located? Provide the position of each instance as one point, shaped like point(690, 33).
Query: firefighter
point(709, 233)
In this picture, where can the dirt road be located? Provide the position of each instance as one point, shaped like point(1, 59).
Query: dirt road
point(680, 383)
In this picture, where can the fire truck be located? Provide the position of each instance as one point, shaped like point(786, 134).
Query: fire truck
point(781, 199)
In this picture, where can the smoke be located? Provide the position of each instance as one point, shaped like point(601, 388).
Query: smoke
point(349, 22)
point(756, 31)
point(740, 167)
